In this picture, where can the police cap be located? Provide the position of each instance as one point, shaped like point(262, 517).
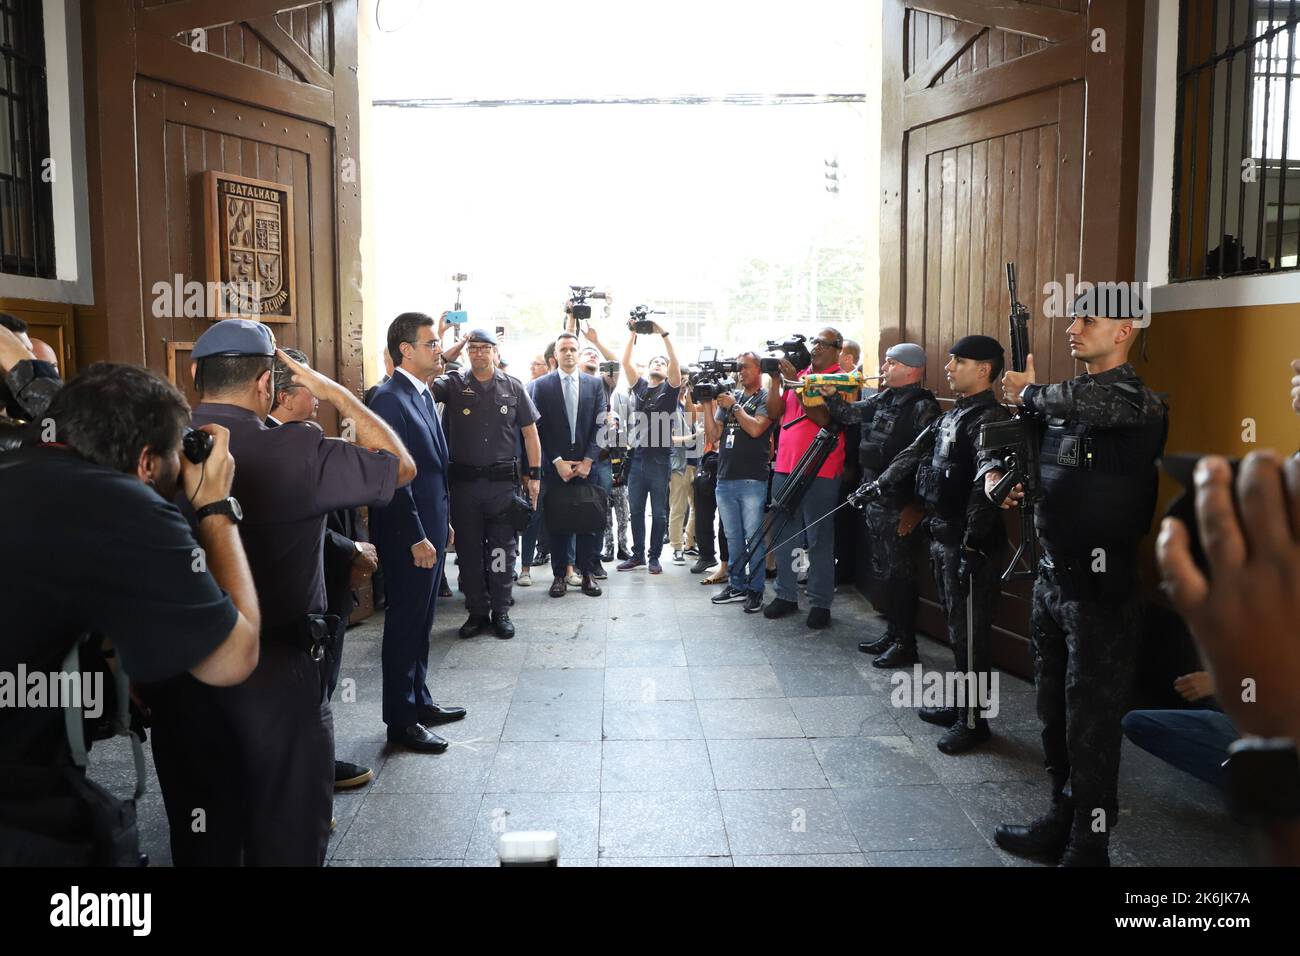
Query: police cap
point(235, 337)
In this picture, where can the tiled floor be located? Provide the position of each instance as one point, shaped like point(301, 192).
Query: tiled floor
point(648, 727)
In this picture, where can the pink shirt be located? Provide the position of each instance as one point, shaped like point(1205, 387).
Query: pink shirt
point(795, 441)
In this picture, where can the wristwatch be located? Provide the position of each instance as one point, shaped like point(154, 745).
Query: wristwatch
point(1263, 779)
point(535, 473)
point(226, 506)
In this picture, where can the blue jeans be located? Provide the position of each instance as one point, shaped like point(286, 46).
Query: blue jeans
point(741, 503)
point(1194, 741)
point(648, 477)
point(817, 545)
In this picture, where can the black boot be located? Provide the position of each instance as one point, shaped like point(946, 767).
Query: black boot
point(902, 653)
point(961, 737)
point(1086, 848)
point(939, 716)
point(1045, 837)
point(878, 646)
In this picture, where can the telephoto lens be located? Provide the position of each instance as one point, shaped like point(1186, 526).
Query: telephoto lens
point(196, 445)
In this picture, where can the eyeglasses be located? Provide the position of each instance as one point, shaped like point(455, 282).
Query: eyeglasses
point(823, 344)
point(430, 345)
point(478, 347)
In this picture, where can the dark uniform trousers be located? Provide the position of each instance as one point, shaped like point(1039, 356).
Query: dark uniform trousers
point(1085, 648)
point(945, 561)
point(894, 564)
point(485, 543)
point(252, 783)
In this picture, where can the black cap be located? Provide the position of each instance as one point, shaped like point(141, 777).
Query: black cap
point(981, 348)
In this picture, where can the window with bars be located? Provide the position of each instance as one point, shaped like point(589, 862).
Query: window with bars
point(1237, 174)
point(26, 190)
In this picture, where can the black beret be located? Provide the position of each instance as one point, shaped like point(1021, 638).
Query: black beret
point(978, 347)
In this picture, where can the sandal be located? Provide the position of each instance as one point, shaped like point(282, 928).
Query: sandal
point(718, 576)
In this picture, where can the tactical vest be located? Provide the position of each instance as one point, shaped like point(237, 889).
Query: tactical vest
point(885, 439)
point(1099, 484)
point(945, 481)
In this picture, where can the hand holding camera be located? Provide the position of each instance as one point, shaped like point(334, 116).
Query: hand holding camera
point(209, 479)
point(867, 491)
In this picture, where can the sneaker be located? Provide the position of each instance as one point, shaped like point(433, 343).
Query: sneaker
point(631, 564)
point(598, 572)
point(655, 566)
point(573, 579)
point(779, 607)
point(540, 559)
point(349, 775)
point(753, 602)
point(819, 617)
point(525, 579)
point(692, 552)
point(678, 558)
point(702, 565)
point(729, 595)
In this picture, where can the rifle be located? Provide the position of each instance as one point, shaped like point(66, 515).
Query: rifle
point(1018, 441)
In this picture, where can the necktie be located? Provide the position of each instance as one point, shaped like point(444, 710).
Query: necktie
point(571, 406)
point(428, 404)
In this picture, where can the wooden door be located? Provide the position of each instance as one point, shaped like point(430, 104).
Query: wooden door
point(1009, 135)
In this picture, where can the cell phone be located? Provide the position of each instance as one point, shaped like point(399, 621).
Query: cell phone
point(458, 317)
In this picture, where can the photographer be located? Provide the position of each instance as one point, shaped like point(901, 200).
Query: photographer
point(28, 384)
point(110, 478)
point(741, 427)
point(652, 440)
point(785, 406)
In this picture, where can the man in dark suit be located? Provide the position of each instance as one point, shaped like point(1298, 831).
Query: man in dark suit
point(349, 556)
point(411, 536)
point(569, 404)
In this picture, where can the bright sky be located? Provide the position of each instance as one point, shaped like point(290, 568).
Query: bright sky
point(654, 202)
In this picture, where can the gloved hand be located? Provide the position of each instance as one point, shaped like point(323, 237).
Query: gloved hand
point(867, 491)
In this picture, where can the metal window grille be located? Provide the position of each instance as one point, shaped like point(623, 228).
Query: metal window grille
point(1237, 174)
point(26, 190)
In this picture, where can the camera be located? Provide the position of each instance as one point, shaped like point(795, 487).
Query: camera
point(707, 376)
point(579, 307)
point(792, 348)
point(196, 445)
point(638, 322)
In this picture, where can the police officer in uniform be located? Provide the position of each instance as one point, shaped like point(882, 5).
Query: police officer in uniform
point(891, 419)
point(966, 531)
point(485, 411)
point(1102, 434)
point(248, 771)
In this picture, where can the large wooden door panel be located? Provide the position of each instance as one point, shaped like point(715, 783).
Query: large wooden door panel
point(180, 135)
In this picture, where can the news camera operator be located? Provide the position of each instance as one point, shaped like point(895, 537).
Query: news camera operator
point(785, 405)
point(111, 476)
point(1100, 436)
point(737, 422)
point(651, 429)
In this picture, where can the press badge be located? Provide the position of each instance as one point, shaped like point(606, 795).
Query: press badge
point(731, 440)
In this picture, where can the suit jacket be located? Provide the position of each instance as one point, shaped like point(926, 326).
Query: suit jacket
point(553, 421)
point(420, 509)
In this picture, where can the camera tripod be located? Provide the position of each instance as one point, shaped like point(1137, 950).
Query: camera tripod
point(786, 501)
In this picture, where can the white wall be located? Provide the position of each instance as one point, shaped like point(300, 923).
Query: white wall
point(63, 68)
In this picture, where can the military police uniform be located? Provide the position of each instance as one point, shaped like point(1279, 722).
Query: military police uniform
point(966, 533)
point(1102, 436)
point(891, 420)
point(482, 420)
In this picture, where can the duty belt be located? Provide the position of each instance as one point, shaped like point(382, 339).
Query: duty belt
point(500, 471)
point(313, 633)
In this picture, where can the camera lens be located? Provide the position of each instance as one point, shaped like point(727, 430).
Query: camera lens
point(196, 445)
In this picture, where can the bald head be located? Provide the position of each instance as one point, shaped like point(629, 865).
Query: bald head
point(43, 351)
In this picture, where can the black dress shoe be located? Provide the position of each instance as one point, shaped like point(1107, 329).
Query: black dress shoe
point(899, 654)
point(599, 573)
point(417, 737)
point(444, 589)
point(502, 626)
point(589, 586)
point(939, 716)
point(779, 607)
point(960, 738)
point(475, 625)
point(819, 617)
point(558, 587)
point(433, 714)
point(1045, 837)
point(349, 775)
point(878, 646)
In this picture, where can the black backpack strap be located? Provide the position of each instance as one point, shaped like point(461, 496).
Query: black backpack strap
point(75, 728)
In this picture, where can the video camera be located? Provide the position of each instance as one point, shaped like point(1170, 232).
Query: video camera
point(638, 322)
point(579, 308)
point(707, 377)
point(792, 348)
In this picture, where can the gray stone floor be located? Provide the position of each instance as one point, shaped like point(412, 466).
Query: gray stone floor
point(650, 728)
